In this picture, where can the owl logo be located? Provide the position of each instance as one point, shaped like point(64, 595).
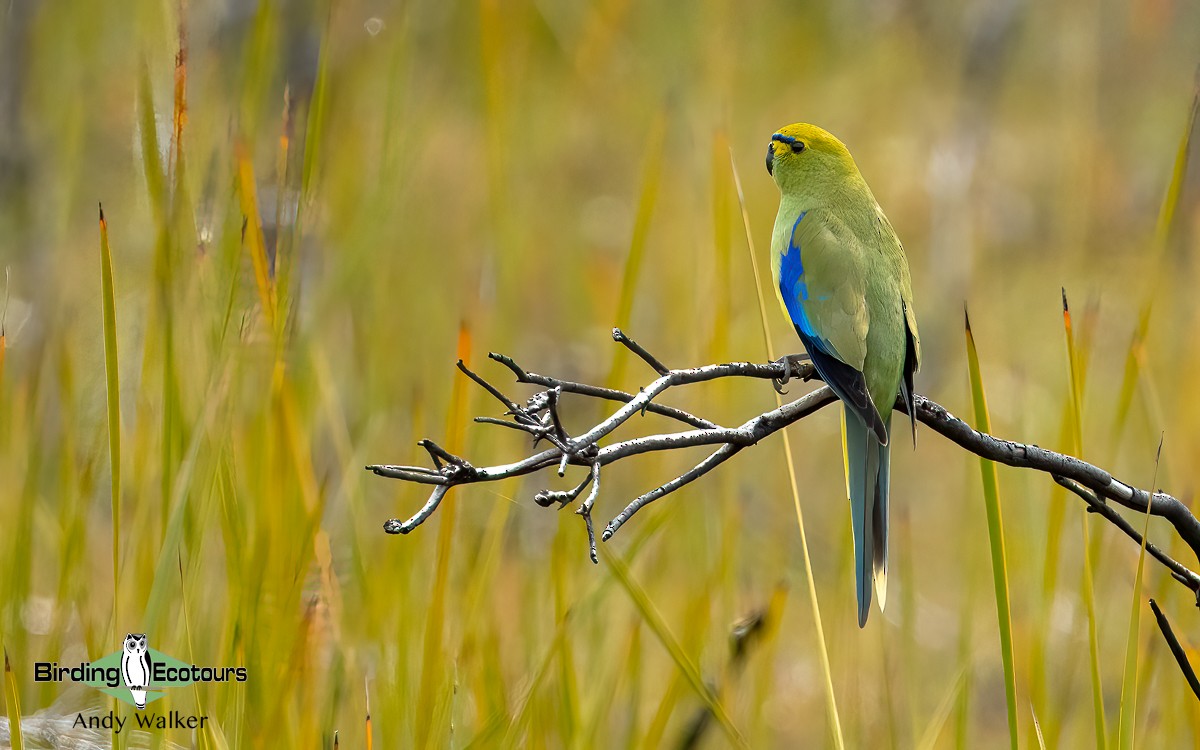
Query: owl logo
point(136, 667)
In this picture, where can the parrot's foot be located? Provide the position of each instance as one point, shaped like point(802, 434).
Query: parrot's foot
point(789, 361)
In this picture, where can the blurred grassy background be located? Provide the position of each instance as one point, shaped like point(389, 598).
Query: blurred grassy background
point(439, 179)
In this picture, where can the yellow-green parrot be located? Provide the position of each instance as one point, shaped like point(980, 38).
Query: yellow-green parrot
point(843, 280)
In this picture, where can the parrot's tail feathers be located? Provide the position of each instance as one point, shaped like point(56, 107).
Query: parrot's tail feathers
point(879, 521)
point(862, 467)
point(881, 587)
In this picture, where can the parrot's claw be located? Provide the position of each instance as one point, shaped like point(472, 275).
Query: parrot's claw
point(779, 383)
point(788, 361)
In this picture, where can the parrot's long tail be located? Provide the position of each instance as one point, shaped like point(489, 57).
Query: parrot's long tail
point(868, 466)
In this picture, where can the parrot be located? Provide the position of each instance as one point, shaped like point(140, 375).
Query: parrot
point(843, 280)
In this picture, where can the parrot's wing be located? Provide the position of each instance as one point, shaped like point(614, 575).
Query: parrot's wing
point(912, 361)
point(822, 279)
point(912, 339)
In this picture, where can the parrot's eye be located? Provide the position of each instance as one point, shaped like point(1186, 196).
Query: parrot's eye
point(797, 146)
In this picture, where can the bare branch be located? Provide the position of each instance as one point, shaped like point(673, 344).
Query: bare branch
point(540, 417)
point(1094, 478)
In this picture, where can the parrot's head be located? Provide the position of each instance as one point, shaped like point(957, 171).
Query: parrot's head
point(806, 160)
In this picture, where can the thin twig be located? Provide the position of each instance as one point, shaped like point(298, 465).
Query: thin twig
point(4, 310)
point(508, 402)
point(595, 391)
point(722, 454)
point(417, 474)
point(552, 407)
point(510, 363)
point(535, 431)
point(633, 346)
point(394, 526)
point(1096, 505)
point(672, 378)
point(585, 510)
point(436, 451)
point(1176, 649)
point(546, 498)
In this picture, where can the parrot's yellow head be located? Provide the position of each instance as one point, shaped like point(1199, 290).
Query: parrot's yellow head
point(807, 160)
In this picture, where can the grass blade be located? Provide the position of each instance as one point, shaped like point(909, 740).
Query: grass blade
point(689, 670)
point(651, 177)
point(148, 132)
point(315, 126)
point(114, 403)
point(179, 110)
point(1089, 551)
point(1163, 233)
point(823, 652)
point(942, 713)
point(1089, 600)
point(248, 192)
point(662, 714)
point(368, 734)
point(523, 704)
point(164, 273)
point(1069, 431)
point(313, 129)
point(12, 705)
point(433, 660)
point(1133, 368)
point(720, 304)
point(991, 499)
point(174, 529)
point(1076, 381)
point(1166, 216)
point(568, 692)
point(1037, 729)
point(1129, 682)
point(206, 738)
point(3, 322)
point(966, 619)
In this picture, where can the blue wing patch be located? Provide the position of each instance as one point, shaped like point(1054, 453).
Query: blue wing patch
point(794, 290)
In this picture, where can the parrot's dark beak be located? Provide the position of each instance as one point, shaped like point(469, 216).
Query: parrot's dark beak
point(771, 158)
